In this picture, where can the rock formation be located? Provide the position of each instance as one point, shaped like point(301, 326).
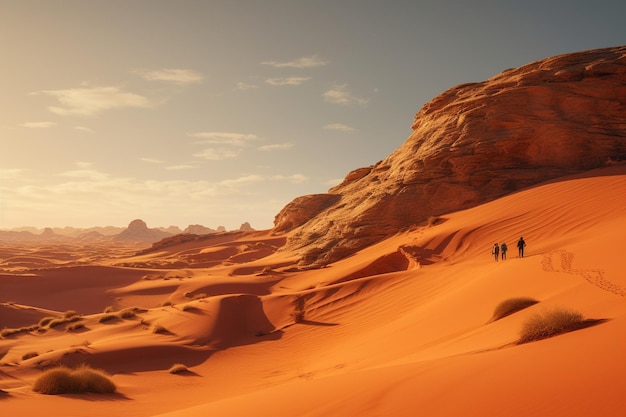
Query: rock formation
point(138, 231)
point(245, 227)
point(198, 229)
point(473, 143)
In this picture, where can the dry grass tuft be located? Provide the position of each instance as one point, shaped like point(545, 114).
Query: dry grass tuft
point(63, 380)
point(550, 323)
point(512, 305)
point(107, 317)
point(157, 328)
point(46, 321)
point(178, 368)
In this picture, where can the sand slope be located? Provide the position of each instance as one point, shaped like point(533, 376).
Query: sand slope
point(401, 328)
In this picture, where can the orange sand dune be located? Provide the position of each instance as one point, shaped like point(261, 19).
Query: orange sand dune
point(401, 328)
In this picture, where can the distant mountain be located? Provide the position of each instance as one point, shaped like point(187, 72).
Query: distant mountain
point(198, 229)
point(473, 143)
point(138, 231)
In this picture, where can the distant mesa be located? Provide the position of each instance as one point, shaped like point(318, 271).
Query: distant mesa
point(138, 231)
point(471, 144)
point(245, 227)
point(197, 229)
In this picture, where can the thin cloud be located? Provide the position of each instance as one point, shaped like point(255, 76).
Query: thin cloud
point(83, 129)
point(242, 181)
point(241, 86)
point(86, 174)
point(91, 101)
point(311, 61)
point(224, 138)
point(172, 75)
point(182, 167)
point(12, 173)
point(276, 146)
point(339, 94)
point(38, 125)
point(217, 154)
point(287, 81)
point(339, 127)
point(294, 179)
point(151, 160)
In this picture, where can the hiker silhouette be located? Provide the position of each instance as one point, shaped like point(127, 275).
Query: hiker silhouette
point(495, 251)
point(521, 244)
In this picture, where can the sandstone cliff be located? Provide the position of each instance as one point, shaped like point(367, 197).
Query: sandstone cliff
point(473, 143)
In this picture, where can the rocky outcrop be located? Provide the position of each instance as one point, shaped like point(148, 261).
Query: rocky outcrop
point(245, 227)
point(471, 144)
point(198, 229)
point(138, 231)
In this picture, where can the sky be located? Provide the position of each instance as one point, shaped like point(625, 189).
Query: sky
point(221, 112)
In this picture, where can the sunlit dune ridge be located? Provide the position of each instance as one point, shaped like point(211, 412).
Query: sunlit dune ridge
point(404, 327)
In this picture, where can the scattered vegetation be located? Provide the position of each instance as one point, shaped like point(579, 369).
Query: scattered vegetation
point(178, 368)
point(75, 327)
point(157, 328)
point(298, 309)
point(128, 313)
point(46, 321)
point(550, 323)
point(107, 317)
point(512, 305)
point(44, 324)
point(12, 332)
point(63, 380)
point(70, 314)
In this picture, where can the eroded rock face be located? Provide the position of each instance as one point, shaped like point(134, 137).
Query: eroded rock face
point(471, 144)
point(138, 231)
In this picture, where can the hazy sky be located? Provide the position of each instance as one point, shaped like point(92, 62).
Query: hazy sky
point(219, 112)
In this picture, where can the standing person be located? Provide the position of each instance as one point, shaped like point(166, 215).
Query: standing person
point(520, 246)
point(495, 251)
point(503, 249)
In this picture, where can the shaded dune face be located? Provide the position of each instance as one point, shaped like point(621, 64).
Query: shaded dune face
point(472, 144)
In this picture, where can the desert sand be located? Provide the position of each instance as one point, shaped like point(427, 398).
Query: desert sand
point(401, 328)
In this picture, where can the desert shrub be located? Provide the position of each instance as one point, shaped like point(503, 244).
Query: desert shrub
point(107, 317)
point(298, 306)
point(512, 305)
point(157, 328)
point(177, 368)
point(29, 355)
point(550, 323)
point(108, 309)
point(70, 314)
point(46, 321)
point(12, 332)
point(75, 327)
point(55, 323)
point(127, 313)
point(63, 380)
